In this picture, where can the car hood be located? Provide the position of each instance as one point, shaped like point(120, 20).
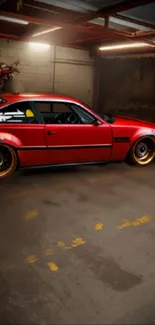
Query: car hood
point(123, 120)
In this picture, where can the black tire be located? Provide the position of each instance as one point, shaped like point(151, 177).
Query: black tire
point(142, 152)
point(8, 160)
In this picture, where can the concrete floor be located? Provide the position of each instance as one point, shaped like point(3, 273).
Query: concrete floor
point(67, 253)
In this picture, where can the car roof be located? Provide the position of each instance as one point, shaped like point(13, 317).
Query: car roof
point(14, 97)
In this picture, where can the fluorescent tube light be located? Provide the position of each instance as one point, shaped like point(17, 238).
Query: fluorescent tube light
point(123, 46)
point(47, 31)
point(14, 20)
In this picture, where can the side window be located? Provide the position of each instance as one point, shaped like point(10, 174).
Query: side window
point(84, 116)
point(56, 112)
point(43, 107)
point(17, 113)
point(63, 113)
point(60, 108)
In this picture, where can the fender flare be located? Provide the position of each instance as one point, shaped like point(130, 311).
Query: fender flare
point(10, 140)
point(148, 133)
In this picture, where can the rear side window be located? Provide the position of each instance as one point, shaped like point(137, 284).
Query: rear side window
point(17, 113)
point(2, 100)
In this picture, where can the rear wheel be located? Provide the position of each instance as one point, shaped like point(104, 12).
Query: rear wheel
point(142, 152)
point(8, 160)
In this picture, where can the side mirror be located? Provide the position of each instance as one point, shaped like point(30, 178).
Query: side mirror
point(97, 123)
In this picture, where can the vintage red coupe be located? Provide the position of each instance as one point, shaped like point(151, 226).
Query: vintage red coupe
point(51, 130)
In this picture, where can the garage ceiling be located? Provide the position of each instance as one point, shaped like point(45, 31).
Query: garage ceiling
point(89, 25)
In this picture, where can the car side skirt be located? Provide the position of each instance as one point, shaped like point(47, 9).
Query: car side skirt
point(65, 165)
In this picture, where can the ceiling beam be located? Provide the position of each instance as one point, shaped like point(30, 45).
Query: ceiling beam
point(97, 39)
point(149, 42)
point(10, 36)
point(48, 22)
point(136, 38)
point(70, 45)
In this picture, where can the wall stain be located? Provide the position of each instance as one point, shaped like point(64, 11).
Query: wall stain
point(49, 202)
point(28, 192)
point(108, 271)
point(83, 197)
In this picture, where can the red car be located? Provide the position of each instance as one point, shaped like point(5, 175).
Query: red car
point(48, 130)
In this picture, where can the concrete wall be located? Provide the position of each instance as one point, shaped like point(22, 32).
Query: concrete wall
point(56, 69)
point(127, 87)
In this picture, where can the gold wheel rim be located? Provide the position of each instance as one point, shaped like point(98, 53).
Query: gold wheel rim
point(142, 151)
point(12, 164)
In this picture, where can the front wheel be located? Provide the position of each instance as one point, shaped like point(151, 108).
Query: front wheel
point(8, 160)
point(142, 152)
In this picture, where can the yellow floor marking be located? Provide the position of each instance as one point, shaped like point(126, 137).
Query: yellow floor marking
point(99, 226)
point(60, 244)
point(31, 214)
point(53, 267)
point(49, 252)
point(135, 223)
point(31, 259)
point(78, 241)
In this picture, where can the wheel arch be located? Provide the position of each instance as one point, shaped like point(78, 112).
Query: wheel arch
point(11, 141)
point(141, 135)
point(137, 139)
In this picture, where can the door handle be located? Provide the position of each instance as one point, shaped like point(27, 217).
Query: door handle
point(50, 132)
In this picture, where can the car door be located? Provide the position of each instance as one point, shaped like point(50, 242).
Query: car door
point(21, 128)
point(74, 140)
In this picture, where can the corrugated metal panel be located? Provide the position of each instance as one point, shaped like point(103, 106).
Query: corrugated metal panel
point(117, 23)
point(82, 5)
point(78, 6)
point(126, 24)
point(104, 3)
point(143, 13)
